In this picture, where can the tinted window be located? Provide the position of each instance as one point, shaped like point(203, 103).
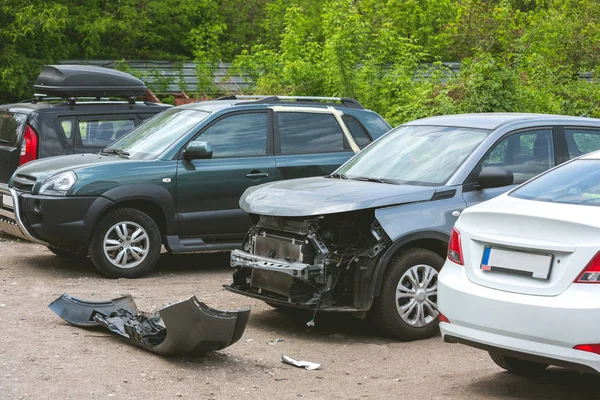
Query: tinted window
point(526, 154)
point(577, 182)
point(11, 126)
point(238, 135)
point(361, 137)
point(309, 133)
point(415, 154)
point(374, 124)
point(101, 133)
point(582, 141)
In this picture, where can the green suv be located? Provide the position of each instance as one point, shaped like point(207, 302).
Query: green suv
point(176, 179)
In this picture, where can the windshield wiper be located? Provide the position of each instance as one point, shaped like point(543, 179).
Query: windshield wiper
point(336, 175)
point(377, 180)
point(121, 153)
point(5, 141)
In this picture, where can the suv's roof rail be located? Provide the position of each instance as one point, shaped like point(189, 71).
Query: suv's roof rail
point(345, 101)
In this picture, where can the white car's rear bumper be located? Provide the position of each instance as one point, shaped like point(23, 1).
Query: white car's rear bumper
point(538, 328)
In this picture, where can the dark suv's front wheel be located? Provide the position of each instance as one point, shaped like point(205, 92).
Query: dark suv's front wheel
point(125, 244)
point(407, 304)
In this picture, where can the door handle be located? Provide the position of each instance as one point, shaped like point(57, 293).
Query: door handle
point(255, 175)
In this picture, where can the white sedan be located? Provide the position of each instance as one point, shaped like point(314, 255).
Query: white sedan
point(522, 278)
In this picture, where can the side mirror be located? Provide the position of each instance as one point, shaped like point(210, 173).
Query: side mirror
point(197, 151)
point(493, 177)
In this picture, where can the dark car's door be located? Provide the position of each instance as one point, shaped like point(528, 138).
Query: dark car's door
point(308, 144)
point(12, 126)
point(525, 153)
point(208, 190)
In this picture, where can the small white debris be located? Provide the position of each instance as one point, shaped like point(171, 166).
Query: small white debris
point(300, 364)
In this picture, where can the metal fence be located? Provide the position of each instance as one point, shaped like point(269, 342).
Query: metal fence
point(173, 76)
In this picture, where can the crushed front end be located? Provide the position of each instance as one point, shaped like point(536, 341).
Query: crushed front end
point(322, 263)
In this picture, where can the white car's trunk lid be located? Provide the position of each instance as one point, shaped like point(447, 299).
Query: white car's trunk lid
point(536, 248)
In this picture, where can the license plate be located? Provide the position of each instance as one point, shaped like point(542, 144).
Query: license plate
point(517, 262)
point(7, 201)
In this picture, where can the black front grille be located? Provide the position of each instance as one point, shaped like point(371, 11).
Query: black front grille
point(23, 183)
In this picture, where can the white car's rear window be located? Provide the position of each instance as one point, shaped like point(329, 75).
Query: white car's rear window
point(577, 182)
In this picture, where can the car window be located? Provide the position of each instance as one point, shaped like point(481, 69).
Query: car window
point(376, 125)
point(577, 182)
point(67, 126)
point(101, 133)
point(360, 135)
point(525, 154)
point(301, 132)
point(582, 141)
point(238, 135)
point(11, 126)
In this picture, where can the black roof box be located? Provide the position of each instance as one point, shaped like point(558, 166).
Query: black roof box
point(87, 80)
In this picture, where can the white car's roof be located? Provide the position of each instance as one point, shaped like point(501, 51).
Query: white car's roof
point(592, 156)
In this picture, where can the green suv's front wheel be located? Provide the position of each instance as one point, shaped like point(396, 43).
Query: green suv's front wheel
point(125, 244)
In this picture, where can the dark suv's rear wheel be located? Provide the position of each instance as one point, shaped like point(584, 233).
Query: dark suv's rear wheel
point(517, 366)
point(407, 304)
point(125, 244)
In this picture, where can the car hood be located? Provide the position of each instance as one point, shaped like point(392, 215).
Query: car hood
point(46, 167)
point(316, 196)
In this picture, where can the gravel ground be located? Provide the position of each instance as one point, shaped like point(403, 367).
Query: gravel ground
point(42, 357)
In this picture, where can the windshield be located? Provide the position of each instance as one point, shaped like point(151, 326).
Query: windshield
point(415, 154)
point(153, 137)
point(577, 182)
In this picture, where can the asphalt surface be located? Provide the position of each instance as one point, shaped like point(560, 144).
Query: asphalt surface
point(42, 357)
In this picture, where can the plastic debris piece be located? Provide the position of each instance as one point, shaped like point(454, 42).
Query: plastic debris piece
point(300, 364)
point(185, 328)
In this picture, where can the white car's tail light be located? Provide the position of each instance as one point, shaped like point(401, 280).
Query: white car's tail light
point(591, 348)
point(591, 272)
point(455, 248)
point(443, 318)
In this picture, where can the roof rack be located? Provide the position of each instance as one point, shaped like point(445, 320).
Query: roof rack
point(73, 81)
point(345, 101)
point(40, 97)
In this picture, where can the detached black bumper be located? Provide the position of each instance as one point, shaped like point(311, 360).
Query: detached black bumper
point(185, 328)
point(64, 222)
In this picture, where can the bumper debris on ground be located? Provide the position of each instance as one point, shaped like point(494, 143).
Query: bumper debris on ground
point(186, 328)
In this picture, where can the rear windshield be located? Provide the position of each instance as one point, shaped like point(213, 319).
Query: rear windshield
point(11, 126)
point(577, 182)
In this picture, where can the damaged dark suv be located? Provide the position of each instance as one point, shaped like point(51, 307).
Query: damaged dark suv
point(371, 237)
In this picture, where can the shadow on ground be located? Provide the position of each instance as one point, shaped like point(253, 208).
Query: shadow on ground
point(329, 327)
point(167, 264)
point(554, 383)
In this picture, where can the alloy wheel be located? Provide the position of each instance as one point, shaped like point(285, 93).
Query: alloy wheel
point(126, 244)
point(416, 296)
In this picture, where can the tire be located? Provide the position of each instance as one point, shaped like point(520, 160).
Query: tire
point(129, 254)
point(517, 366)
point(67, 255)
point(387, 307)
